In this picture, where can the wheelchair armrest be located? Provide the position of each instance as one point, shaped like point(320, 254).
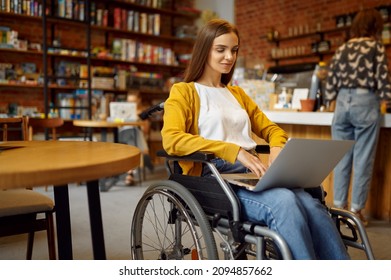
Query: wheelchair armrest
point(262, 149)
point(197, 156)
point(206, 156)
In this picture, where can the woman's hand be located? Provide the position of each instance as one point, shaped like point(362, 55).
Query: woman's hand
point(251, 162)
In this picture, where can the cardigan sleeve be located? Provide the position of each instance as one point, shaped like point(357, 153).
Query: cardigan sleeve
point(261, 125)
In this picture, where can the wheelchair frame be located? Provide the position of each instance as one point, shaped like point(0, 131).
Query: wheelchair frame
point(189, 228)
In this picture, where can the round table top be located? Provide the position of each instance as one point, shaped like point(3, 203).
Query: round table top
point(40, 163)
point(105, 124)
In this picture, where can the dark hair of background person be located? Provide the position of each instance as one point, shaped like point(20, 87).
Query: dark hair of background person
point(367, 23)
point(204, 41)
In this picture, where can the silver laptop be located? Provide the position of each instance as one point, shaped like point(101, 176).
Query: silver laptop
point(302, 163)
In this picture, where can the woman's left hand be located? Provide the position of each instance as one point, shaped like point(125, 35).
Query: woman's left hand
point(251, 162)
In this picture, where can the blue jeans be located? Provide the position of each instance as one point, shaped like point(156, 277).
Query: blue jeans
point(356, 117)
point(301, 220)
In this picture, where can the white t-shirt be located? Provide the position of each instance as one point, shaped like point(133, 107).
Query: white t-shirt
point(222, 117)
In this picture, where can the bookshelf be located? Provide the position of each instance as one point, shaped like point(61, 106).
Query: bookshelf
point(93, 51)
point(66, 86)
point(318, 44)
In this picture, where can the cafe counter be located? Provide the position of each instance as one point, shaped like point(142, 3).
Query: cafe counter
point(316, 125)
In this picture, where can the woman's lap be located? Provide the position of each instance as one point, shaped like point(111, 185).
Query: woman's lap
point(300, 219)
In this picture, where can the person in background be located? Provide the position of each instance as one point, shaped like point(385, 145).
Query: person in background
point(136, 136)
point(204, 113)
point(358, 79)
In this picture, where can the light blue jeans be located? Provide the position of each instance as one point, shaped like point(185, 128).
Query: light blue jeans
point(302, 221)
point(356, 117)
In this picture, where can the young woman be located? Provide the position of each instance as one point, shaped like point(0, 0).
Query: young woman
point(204, 113)
point(358, 79)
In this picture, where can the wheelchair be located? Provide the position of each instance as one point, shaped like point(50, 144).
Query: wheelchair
point(199, 218)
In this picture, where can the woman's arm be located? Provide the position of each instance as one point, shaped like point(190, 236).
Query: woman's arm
point(261, 125)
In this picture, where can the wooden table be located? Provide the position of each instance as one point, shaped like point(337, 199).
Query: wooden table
point(104, 125)
point(107, 183)
point(58, 163)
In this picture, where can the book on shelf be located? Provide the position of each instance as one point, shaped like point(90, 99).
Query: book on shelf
point(74, 105)
point(8, 38)
point(103, 82)
point(92, 13)
point(61, 8)
point(6, 72)
point(156, 25)
point(150, 24)
point(143, 23)
point(82, 11)
point(69, 12)
point(156, 3)
point(133, 51)
point(130, 20)
point(128, 50)
point(105, 19)
point(117, 18)
point(124, 19)
point(71, 9)
point(66, 70)
point(136, 21)
point(99, 17)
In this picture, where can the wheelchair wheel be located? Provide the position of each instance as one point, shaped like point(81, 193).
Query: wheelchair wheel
point(169, 223)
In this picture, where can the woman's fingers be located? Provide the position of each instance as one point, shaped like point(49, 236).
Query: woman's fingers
point(251, 162)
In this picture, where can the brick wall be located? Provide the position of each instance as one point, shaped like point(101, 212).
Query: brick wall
point(255, 18)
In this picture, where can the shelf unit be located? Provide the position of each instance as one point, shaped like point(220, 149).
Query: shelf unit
point(166, 38)
point(51, 68)
point(44, 32)
point(303, 51)
point(297, 51)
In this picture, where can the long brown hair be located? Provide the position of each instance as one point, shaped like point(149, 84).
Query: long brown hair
point(367, 23)
point(204, 41)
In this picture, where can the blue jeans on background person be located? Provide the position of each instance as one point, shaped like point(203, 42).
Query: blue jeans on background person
point(356, 117)
point(300, 219)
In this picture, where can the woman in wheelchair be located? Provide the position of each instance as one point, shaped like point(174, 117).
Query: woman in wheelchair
point(204, 113)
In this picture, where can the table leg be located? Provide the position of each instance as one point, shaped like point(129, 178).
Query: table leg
point(116, 135)
point(139, 168)
point(90, 134)
point(63, 223)
point(98, 242)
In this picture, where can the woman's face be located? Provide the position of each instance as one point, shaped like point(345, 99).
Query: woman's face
point(222, 55)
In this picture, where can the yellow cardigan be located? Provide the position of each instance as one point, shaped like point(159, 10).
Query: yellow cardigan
point(180, 128)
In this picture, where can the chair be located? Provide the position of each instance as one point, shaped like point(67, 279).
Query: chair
point(8, 123)
point(24, 210)
point(40, 123)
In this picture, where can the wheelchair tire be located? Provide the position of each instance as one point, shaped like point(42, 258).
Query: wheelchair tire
point(169, 223)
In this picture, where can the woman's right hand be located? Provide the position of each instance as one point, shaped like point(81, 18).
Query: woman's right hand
point(251, 162)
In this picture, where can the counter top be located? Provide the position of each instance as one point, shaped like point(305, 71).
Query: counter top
point(311, 118)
